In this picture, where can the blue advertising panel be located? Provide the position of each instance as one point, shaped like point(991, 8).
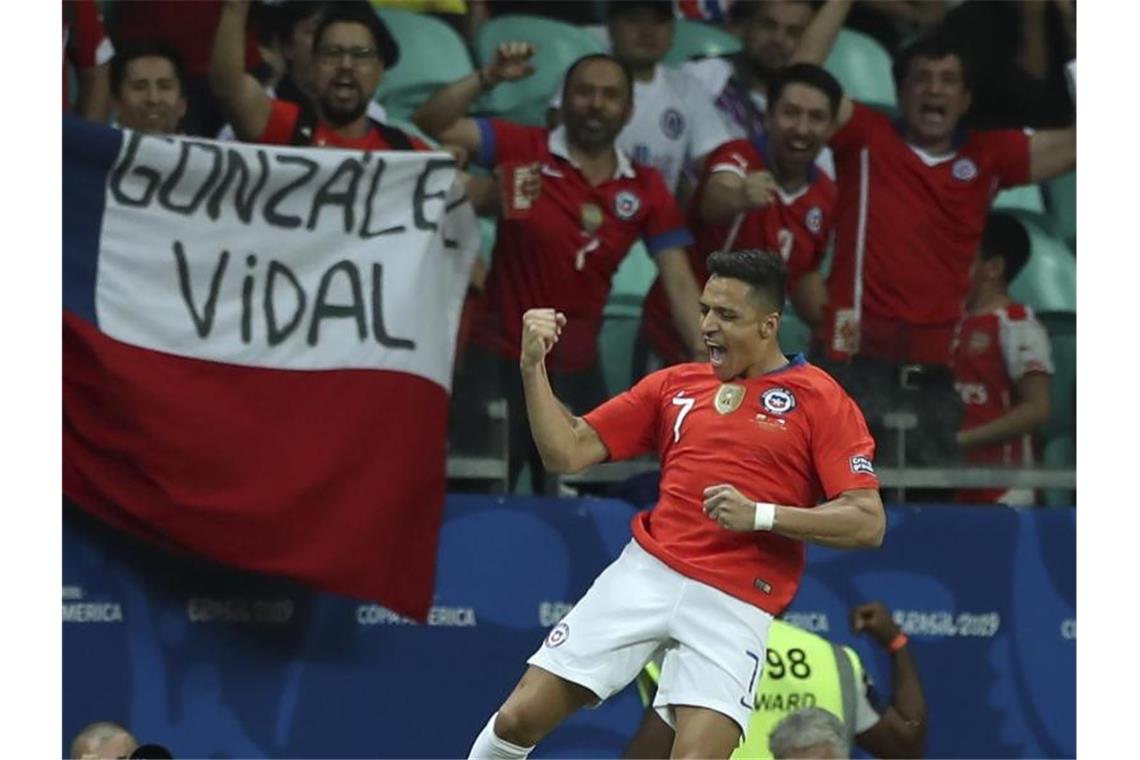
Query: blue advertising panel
point(216, 663)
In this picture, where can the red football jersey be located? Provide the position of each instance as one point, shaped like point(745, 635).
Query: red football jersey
point(992, 352)
point(283, 120)
point(908, 227)
point(791, 437)
point(796, 224)
point(564, 254)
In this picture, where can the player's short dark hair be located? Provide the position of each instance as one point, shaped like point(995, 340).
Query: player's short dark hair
point(1005, 238)
point(743, 11)
point(619, 8)
point(765, 271)
point(133, 50)
point(625, 70)
point(291, 13)
point(935, 46)
point(360, 12)
point(810, 75)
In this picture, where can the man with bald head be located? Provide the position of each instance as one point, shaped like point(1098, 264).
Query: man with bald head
point(103, 739)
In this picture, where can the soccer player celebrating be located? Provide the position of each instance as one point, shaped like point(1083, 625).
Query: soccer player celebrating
point(759, 452)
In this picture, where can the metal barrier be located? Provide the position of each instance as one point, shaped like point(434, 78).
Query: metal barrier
point(493, 470)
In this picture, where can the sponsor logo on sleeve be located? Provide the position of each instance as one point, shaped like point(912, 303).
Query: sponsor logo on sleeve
point(862, 464)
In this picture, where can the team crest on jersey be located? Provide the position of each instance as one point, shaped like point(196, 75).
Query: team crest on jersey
point(778, 400)
point(979, 342)
point(814, 219)
point(558, 635)
point(964, 169)
point(672, 123)
point(862, 464)
point(728, 398)
point(626, 205)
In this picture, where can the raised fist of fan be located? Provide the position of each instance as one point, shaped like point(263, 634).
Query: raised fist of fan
point(540, 331)
point(511, 62)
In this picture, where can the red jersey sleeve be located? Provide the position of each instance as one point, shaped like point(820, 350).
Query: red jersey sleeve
point(282, 120)
point(841, 446)
point(663, 226)
point(857, 131)
point(1007, 151)
point(627, 423)
point(733, 156)
point(502, 142)
point(90, 45)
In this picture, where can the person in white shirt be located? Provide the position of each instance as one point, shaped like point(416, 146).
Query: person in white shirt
point(675, 123)
point(769, 32)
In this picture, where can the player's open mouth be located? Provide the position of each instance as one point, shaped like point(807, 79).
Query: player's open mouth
point(716, 354)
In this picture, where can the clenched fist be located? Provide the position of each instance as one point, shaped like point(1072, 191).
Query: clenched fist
point(759, 189)
point(511, 62)
point(731, 509)
point(540, 331)
point(874, 618)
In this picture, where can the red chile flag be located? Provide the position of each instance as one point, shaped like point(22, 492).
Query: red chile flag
point(257, 352)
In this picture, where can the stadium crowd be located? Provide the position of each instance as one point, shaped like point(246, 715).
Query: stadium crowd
point(605, 136)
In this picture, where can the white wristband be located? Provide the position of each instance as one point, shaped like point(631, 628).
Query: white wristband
point(765, 516)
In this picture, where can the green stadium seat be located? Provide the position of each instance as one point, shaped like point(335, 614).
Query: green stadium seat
point(557, 46)
point(795, 335)
point(1024, 197)
point(1049, 281)
point(694, 38)
point(622, 316)
point(410, 127)
point(631, 282)
point(488, 229)
point(863, 67)
point(1059, 452)
point(1061, 200)
point(615, 349)
point(1062, 330)
point(432, 55)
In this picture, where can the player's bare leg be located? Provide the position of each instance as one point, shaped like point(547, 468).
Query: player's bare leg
point(539, 702)
point(702, 732)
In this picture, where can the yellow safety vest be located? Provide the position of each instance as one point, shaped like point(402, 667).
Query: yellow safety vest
point(424, 6)
point(801, 670)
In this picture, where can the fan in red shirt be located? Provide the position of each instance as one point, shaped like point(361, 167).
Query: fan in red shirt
point(759, 453)
point(593, 205)
point(911, 206)
point(352, 47)
point(1002, 364)
point(766, 194)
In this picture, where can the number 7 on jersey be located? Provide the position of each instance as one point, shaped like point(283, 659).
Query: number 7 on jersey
point(686, 405)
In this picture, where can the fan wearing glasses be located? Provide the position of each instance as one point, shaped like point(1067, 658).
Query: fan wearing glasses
point(352, 48)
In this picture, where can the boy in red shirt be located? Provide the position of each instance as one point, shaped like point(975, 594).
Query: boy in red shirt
point(1002, 364)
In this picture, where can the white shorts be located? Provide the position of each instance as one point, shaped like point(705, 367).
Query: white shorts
point(713, 643)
